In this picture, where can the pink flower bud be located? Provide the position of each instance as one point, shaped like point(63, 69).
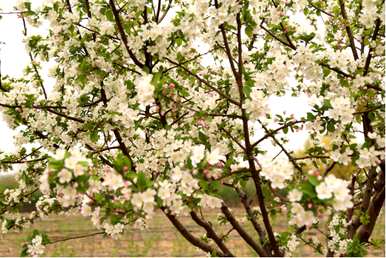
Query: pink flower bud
point(219, 164)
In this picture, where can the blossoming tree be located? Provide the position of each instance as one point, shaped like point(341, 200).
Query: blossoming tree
point(138, 120)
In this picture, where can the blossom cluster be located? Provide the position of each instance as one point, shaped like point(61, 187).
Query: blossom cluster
point(337, 188)
point(36, 248)
point(164, 106)
point(277, 172)
point(338, 235)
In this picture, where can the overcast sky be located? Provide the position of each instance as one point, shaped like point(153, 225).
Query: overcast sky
point(14, 58)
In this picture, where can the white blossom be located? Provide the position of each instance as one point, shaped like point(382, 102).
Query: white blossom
point(112, 179)
point(341, 110)
point(337, 188)
point(277, 171)
point(65, 176)
point(301, 217)
point(66, 196)
point(295, 195)
point(292, 244)
point(368, 157)
point(113, 230)
point(211, 202)
point(144, 89)
point(36, 248)
point(215, 156)
point(198, 153)
point(144, 200)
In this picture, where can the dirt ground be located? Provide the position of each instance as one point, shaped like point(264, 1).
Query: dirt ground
point(159, 239)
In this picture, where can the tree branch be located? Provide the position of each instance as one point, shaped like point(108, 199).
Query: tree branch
point(252, 243)
point(123, 34)
point(211, 233)
point(188, 236)
point(348, 29)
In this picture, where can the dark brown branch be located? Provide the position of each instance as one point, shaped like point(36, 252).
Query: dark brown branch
point(273, 132)
point(189, 236)
point(336, 69)
point(311, 157)
point(329, 169)
point(47, 108)
point(106, 149)
point(368, 110)
point(123, 34)
point(233, 138)
point(319, 9)
point(39, 79)
point(248, 147)
point(65, 116)
point(377, 202)
point(188, 61)
point(76, 237)
point(235, 172)
point(277, 38)
point(166, 11)
point(5, 208)
point(21, 161)
point(211, 233)
point(97, 32)
point(251, 216)
point(348, 29)
point(158, 10)
point(252, 243)
point(103, 159)
point(350, 211)
point(373, 38)
point(229, 54)
point(289, 156)
point(367, 194)
point(203, 81)
point(285, 31)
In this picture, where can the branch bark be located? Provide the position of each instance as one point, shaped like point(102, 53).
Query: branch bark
point(122, 33)
point(255, 245)
point(348, 29)
point(211, 233)
point(189, 236)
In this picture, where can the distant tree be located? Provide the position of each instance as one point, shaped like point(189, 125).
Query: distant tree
point(138, 119)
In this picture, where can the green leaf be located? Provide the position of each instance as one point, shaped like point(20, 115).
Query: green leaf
point(248, 85)
point(313, 180)
point(327, 104)
point(308, 189)
point(85, 66)
point(109, 15)
point(121, 163)
point(310, 116)
point(82, 183)
point(99, 198)
point(94, 136)
point(214, 186)
point(307, 37)
point(355, 248)
point(204, 139)
point(56, 164)
point(142, 181)
point(330, 126)
point(364, 218)
point(24, 252)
